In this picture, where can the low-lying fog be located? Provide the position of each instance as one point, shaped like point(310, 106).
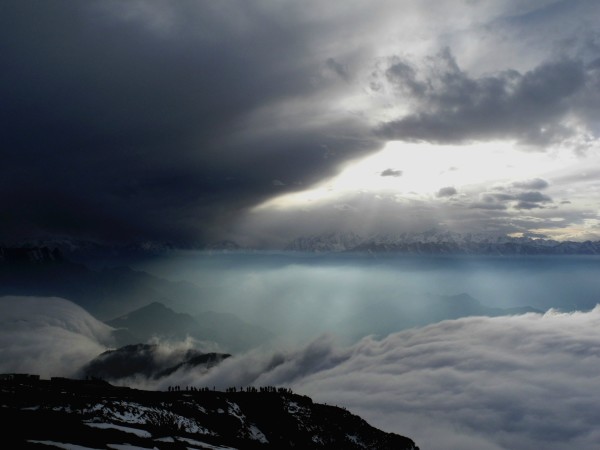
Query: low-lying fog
point(301, 295)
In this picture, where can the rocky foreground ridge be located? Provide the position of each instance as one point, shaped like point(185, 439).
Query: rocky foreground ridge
point(92, 414)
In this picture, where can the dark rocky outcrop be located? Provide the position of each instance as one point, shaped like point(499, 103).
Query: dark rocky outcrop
point(146, 360)
point(93, 414)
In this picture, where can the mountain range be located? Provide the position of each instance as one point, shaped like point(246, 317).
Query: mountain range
point(147, 360)
point(136, 303)
point(132, 301)
point(434, 242)
point(105, 292)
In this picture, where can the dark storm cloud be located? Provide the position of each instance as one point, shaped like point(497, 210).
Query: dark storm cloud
point(170, 121)
point(527, 205)
point(533, 197)
point(340, 69)
point(391, 173)
point(453, 106)
point(489, 204)
point(448, 191)
point(536, 183)
point(135, 120)
point(520, 199)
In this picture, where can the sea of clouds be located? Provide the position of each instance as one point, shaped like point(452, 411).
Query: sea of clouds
point(511, 382)
point(48, 336)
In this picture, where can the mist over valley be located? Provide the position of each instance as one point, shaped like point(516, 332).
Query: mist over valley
point(404, 341)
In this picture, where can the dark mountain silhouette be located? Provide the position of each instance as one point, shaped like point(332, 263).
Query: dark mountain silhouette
point(112, 292)
point(147, 360)
point(93, 414)
point(104, 293)
point(195, 359)
point(156, 320)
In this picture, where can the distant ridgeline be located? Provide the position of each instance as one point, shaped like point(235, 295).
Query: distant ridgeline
point(434, 243)
point(128, 299)
point(427, 242)
point(35, 255)
point(91, 413)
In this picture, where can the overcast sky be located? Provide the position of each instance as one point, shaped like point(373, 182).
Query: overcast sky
point(195, 121)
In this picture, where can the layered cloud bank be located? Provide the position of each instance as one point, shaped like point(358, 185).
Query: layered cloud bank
point(517, 382)
point(511, 382)
point(48, 336)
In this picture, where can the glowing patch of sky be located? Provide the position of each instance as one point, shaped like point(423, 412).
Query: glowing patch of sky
point(420, 170)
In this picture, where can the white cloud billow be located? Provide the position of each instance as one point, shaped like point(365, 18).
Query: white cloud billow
point(48, 336)
point(517, 382)
point(513, 382)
